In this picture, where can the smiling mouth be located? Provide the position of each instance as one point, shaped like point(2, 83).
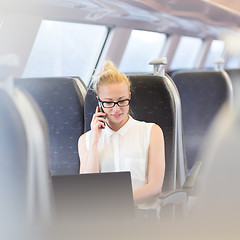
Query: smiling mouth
point(116, 115)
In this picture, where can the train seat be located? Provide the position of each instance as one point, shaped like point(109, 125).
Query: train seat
point(25, 195)
point(202, 94)
point(61, 101)
point(152, 101)
point(13, 150)
point(218, 206)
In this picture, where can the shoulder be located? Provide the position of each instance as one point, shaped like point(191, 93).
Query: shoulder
point(157, 128)
point(83, 137)
point(148, 126)
point(156, 132)
point(140, 123)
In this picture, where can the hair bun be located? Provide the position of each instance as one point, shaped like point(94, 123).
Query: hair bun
point(108, 65)
point(109, 74)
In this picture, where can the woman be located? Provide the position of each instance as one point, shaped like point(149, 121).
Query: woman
point(117, 142)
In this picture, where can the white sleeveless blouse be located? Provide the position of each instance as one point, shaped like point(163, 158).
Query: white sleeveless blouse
point(126, 150)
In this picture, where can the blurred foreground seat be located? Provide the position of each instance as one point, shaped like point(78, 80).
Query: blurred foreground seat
point(24, 180)
point(217, 211)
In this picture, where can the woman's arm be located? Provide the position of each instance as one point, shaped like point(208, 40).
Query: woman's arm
point(89, 162)
point(156, 168)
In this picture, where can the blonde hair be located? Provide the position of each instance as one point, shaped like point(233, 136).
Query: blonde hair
point(109, 74)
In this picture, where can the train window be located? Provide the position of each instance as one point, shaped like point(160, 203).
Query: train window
point(142, 47)
point(233, 62)
point(64, 49)
point(186, 53)
point(215, 52)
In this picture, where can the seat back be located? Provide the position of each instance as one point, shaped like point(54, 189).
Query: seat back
point(24, 177)
point(202, 94)
point(13, 151)
point(152, 100)
point(61, 100)
point(218, 185)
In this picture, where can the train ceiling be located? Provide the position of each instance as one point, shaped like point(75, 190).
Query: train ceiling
point(204, 18)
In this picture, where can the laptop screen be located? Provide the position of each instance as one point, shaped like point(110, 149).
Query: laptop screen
point(93, 197)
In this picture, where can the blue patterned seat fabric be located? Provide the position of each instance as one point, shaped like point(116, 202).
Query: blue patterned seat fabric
point(151, 101)
point(62, 104)
point(202, 95)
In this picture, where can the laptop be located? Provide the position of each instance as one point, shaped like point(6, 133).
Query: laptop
point(87, 198)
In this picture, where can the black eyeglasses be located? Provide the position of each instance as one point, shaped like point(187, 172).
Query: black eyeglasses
point(111, 104)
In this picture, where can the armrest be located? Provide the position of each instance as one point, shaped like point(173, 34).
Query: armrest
point(175, 197)
point(190, 181)
point(180, 196)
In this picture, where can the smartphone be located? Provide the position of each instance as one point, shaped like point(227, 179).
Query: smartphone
point(100, 108)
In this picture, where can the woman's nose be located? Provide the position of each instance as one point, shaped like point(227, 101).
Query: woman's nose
point(116, 107)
